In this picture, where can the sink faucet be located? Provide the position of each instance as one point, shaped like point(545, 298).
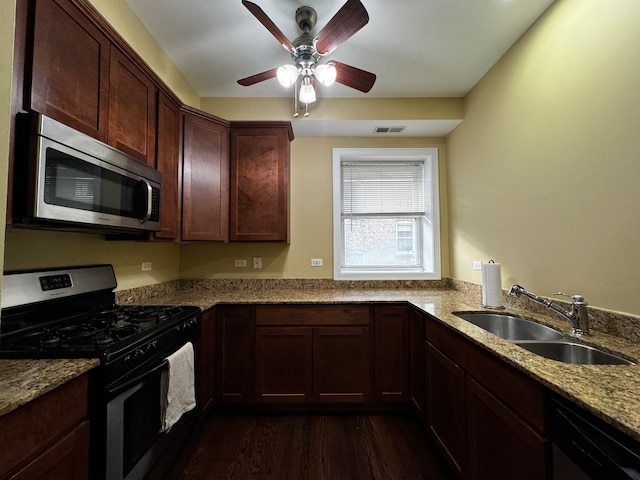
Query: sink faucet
point(577, 316)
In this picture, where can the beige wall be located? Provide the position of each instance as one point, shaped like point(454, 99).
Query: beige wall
point(311, 218)
point(544, 172)
point(7, 21)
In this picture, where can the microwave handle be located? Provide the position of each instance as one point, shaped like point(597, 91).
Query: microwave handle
point(149, 200)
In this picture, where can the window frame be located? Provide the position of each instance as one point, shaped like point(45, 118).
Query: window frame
point(430, 158)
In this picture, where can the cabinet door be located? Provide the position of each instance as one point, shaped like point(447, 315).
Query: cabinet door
point(283, 364)
point(259, 184)
point(205, 188)
point(446, 417)
point(391, 353)
point(70, 70)
point(501, 445)
point(417, 362)
point(168, 163)
point(132, 110)
point(67, 459)
point(341, 364)
point(205, 373)
point(235, 330)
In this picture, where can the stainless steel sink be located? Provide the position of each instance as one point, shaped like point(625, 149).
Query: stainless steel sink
point(569, 352)
point(509, 327)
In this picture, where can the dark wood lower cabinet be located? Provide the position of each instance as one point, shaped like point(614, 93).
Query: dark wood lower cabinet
point(312, 364)
point(341, 364)
point(501, 445)
point(485, 416)
point(283, 364)
point(235, 344)
point(205, 363)
point(417, 377)
point(67, 459)
point(391, 353)
point(48, 438)
point(446, 410)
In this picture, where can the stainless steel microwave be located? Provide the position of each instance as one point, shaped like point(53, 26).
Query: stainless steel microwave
point(71, 181)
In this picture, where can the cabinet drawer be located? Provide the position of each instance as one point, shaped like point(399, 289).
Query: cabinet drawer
point(312, 315)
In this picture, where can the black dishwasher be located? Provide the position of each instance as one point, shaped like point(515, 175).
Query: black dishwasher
point(585, 447)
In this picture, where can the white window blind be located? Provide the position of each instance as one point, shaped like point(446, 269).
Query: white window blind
point(385, 214)
point(383, 188)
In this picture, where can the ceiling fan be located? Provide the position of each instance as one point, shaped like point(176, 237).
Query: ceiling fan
point(307, 51)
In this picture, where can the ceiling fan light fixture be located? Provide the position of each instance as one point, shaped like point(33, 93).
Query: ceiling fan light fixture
point(287, 75)
point(307, 92)
point(326, 74)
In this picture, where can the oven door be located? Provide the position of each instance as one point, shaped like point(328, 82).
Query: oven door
point(134, 444)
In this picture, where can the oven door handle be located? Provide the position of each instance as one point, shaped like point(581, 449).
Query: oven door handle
point(115, 391)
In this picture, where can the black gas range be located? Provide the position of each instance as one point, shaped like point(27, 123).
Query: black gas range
point(71, 313)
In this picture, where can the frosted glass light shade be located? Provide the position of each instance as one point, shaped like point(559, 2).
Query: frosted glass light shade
point(287, 75)
point(307, 92)
point(326, 74)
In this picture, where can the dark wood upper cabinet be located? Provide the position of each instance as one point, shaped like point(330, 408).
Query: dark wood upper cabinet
point(168, 163)
point(70, 68)
point(259, 195)
point(205, 177)
point(132, 110)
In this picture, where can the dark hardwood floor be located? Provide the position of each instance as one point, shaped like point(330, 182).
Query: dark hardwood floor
point(314, 447)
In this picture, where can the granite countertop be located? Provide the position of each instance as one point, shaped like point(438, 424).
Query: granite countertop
point(612, 392)
point(22, 381)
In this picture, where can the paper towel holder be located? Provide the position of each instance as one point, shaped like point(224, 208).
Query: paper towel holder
point(485, 298)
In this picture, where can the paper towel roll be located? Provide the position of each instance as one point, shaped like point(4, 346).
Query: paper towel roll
point(491, 285)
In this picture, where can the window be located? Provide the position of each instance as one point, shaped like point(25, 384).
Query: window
point(405, 241)
point(385, 209)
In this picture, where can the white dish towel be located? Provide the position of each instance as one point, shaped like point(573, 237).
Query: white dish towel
point(177, 387)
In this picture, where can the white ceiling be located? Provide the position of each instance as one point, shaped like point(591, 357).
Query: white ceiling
point(417, 48)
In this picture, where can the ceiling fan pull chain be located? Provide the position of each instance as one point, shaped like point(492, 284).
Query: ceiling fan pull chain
point(295, 99)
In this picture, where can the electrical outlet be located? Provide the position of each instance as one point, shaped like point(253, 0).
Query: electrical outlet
point(477, 265)
point(146, 266)
point(316, 262)
point(241, 263)
point(257, 263)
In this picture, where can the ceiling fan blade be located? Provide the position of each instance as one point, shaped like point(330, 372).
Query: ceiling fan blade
point(258, 77)
point(268, 23)
point(347, 21)
point(354, 77)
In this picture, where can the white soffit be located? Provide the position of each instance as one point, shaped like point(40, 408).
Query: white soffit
point(307, 127)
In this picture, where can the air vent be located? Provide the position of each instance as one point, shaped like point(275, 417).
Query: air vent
point(397, 129)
